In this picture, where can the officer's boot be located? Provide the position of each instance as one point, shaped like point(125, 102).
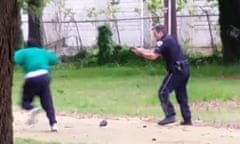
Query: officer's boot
point(170, 118)
point(167, 120)
point(186, 121)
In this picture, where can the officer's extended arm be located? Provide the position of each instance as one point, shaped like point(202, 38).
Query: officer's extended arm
point(146, 53)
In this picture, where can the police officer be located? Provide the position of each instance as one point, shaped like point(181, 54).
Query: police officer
point(177, 77)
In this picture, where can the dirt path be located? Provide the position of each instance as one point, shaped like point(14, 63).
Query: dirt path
point(120, 131)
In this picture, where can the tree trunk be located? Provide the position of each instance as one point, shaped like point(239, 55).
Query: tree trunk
point(173, 17)
point(34, 21)
point(20, 42)
point(229, 16)
point(166, 14)
point(8, 41)
point(148, 37)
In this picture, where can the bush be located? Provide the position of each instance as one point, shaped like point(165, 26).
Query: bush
point(114, 55)
point(81, 59)
point(109, 53)
point(198, 60)
point(105, 44)
point(122, 55)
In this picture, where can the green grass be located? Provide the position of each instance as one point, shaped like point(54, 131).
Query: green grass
point(131, 90)
point(28, 141)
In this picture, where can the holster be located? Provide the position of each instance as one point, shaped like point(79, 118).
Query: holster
point(179, 65)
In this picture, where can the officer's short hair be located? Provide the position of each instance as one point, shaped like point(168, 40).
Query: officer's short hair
point(160, 28)
point(32, 42)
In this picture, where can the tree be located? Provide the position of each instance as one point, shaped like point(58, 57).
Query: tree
point(109, 12)
point(8, 41)
point(153, 6)
point(20, 42)
point(173, 27)
point(34, 9)
point(229, 27)
point(63, 13)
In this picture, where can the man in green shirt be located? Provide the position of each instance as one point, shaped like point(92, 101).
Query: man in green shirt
point(36, 62)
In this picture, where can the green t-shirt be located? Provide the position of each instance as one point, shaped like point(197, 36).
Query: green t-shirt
point(33, 59)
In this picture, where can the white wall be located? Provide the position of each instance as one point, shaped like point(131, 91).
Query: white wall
point(193, 29)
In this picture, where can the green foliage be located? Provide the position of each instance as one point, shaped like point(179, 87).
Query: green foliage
point(213, 3)
point(153, 5)
point(83, 59)
point(110, 12)
point(199, 59)
point(105, 44)
point(181, 4)
point(33, 6)
point(92, 12)
point(122, 56)
point(62, 12)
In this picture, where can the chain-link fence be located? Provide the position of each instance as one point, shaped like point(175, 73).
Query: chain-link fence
point(68, 38)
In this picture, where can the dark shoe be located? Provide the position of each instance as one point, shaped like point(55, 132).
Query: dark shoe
point(167, 120)
point(186, 123)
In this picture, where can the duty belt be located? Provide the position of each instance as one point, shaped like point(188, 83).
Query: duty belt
point(180, 65)
point(182, 62)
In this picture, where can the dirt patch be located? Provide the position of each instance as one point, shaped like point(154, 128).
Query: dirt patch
point(215, 105)
point(84, 128)
point(231, 77)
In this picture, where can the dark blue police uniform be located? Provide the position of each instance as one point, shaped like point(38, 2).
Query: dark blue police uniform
point(176, 79)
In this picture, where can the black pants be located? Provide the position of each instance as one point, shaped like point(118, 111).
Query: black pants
point(175, 81)
point(39, 86)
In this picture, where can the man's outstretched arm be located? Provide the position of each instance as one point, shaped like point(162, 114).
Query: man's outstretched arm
point(146, 53)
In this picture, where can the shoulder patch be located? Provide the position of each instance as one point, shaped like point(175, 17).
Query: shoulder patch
point(159, 43)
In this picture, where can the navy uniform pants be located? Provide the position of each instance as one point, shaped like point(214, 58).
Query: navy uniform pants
point(39, 86)
point(175, 81)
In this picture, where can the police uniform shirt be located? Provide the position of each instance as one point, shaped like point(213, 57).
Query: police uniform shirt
point(170, 50)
